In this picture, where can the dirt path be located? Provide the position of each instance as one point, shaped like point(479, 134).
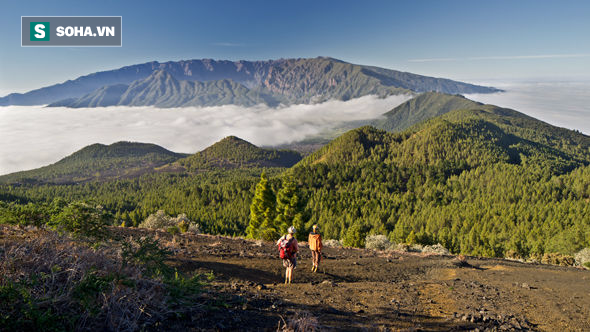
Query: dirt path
point(363, 289)
point(368, 290)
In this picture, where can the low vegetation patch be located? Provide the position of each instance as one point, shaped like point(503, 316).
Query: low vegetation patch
point(53, 282)
point(160, 220)
point(582, 257)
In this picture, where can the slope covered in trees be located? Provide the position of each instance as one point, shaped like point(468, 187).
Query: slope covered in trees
point(489, 182)
point(99, 162)
point(425, 106)
point(233, 152)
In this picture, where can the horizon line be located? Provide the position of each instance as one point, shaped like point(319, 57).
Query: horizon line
point(504, 57)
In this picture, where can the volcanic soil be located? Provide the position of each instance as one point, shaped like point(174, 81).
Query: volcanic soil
point(361, 289)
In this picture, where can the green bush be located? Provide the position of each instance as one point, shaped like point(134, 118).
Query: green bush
point(82, 220)
point(86, 292)
point(174, 230)
point(146, 253)
point(183, 226)
point(19, 310)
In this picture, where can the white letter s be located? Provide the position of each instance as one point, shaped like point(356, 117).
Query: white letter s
point(40, 32)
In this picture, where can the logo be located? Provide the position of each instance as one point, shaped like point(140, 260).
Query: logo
point(39, 31)
point(71, 31)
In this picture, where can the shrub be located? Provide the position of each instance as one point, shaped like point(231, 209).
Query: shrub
point(512, 254)
point(416, 247)
point(194, 228)
point(146, 253)
point(399, 247)
point(174, 230)
point(557, 259)
point(183, 226)
point(582, 257)
point(158, 220)
point(378, 242)
point(587, 265)
point(301, 322)
point(49, 282)
point(82, 220)
point(333, 243)
point(436, 249)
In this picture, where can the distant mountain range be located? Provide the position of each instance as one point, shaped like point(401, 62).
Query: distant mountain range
point(209, 82)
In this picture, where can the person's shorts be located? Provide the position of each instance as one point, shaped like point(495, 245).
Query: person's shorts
point(290, 262)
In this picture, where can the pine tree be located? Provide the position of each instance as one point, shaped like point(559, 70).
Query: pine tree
point(289, 208)
point(262, 210)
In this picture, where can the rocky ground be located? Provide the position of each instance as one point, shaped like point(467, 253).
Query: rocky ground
point(359, 289)
point(369, 290)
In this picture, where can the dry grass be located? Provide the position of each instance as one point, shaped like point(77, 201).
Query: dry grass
point(300, 322)
point(80, 288)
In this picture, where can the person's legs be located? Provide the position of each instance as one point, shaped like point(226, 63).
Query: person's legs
point(316, 260)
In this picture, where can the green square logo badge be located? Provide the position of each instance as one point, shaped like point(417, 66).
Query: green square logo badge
point(39, 31)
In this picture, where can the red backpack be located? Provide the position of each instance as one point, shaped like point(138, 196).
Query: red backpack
point(286, 248)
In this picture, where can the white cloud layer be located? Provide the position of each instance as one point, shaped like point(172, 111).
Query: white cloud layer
point(562, 104)
point(34, 136)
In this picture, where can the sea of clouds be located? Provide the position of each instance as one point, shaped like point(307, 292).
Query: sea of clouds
point(562, 104)
point(35, 136)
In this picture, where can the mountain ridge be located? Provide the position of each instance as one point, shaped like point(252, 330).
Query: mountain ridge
point(289, 81)
point(161, 89)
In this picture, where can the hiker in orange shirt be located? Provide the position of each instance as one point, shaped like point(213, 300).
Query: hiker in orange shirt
point(315, 245)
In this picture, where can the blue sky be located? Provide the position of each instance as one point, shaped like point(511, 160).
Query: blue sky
point(468, 40)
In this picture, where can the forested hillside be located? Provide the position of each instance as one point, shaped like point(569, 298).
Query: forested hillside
point(99, 162)
point(233, 152)
point(426, 106)
point(484, 181)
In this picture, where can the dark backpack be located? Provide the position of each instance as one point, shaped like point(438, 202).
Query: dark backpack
point(286, 248)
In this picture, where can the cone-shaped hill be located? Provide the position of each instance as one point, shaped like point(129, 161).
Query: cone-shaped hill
point(233, 152)
point(425, 106)
point(99, 162)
